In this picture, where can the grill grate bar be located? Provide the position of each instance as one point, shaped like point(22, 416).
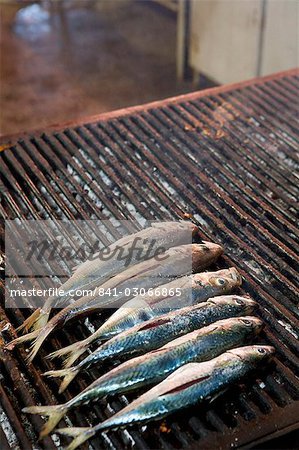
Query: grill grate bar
point(262, 136)
point(272, 135)
point(249, 162)
point(259, 146)
point(241, 213)
point(269, 133)
point(227, 157)
point(3, 440)
point(289, 85)
point(150, 191)
point(111, 171)
point(74, 142)
point(188, 166)
point(231, 158)
point(286, 96)
point(223, 168)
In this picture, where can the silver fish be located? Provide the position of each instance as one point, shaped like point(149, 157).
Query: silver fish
point(194, 289)
point(154, 333)
point(187, 386)
point(176, 261)
point(92, 273)
point(200, 345)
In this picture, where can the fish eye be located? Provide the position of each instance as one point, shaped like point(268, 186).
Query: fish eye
point(261, 350)
point(246, 321)
point(221, 281)
point(239, 301)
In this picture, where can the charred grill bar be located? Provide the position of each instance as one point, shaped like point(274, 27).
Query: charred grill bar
point(229, 157)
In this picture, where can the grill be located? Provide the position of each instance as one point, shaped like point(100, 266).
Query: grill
point(227, 156)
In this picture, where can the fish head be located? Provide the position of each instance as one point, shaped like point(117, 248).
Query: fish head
point(238, 304)
point(205, 254)
point(246, 327)
point(221, 281)
point(253, 325)
point(253, 354)
point(240, 328)
point(245, 304)
point(214, 249)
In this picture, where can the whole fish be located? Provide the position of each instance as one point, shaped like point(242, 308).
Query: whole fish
point(194, 289)
point(122, 254)
point(187, 386)
point(200, 345)
point(154, 333)
point(147, 274)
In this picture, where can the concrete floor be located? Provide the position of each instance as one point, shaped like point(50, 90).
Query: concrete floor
point(60, 64)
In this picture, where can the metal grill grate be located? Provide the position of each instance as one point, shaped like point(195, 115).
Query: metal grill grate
point(229, 157)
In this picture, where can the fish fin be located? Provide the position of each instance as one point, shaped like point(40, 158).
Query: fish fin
point(183, 385)
point(41, 321)
point(28, 323)
point(67, 374)
point(62, 351)
point(69, 361)
point(27, 337)
point(73, 350)
point(38, 341)
point(79, 435)
point(53, 412)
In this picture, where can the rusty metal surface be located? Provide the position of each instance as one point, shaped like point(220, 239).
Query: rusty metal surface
point(229, 157)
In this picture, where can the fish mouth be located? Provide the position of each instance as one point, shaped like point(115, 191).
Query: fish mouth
point(242, 352)
point(251, 321)
point(245, 301)
point(216, 249)
point(235, 275)
point(267, 349)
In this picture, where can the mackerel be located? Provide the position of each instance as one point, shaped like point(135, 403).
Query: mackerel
point(187, 386)
point(153, 367)
point(92, 273)
point(194, 289)
point(176, 261)
point(154, 333)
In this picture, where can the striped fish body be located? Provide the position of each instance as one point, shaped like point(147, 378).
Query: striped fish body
point(200, 345)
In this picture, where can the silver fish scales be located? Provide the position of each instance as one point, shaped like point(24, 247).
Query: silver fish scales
point(176, 261)
point(154, 333)
point(200, 345)
point(191, 384)
point(194, 288)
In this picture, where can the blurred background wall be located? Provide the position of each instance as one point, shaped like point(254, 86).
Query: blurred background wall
point(66, 59)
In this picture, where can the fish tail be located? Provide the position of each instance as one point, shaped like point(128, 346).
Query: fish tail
point(42, 320)
point(63, 351)
point(79, 435)
point(53, 412)
point(36, 321)
point(70, 353)
point(28, 323)
point(67, 374)
point(74, 355)
point(40, 336)
point(27, 337)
